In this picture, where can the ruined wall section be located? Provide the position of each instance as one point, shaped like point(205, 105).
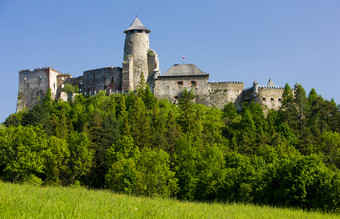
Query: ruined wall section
point(63, 79)
point(53, 82)
point(127, 74)
point(172, 87)
point(33, 86)
point(108, 79)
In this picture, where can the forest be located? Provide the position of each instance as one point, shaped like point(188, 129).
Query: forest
point(135, 144)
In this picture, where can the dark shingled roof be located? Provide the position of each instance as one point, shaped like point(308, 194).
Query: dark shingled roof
point(183, 70)
point(137, 25)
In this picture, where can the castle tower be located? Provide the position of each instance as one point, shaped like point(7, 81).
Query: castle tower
point(136, 50)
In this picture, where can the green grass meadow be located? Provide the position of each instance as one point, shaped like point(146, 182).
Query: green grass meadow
point(27, 201)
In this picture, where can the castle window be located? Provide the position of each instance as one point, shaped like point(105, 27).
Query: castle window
point(279, 99)
point(112, 79)
point(193, 83)
point(62, 78)
point(168, 87)
point(54, 85)
point(179, 82)
point(28, 84)
point(62, 86)
point(272, 99)
point(263, 98)
point(176, 97)
point(104, 86)
point(24, 78)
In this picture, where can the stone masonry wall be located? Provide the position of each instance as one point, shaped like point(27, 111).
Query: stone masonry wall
point(127, 74)
point(62, 79)
point(33, 85)
point(270, 97)
point(101, 79)
point(172, 87)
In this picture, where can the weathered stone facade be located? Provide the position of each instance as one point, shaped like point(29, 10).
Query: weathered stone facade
point(138, 59)
point(34, 84)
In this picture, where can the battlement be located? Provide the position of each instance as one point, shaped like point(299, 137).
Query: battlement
point(98, 69)
point(270, 87)
point(24, 70)
point(225, 82)
point(41, 68)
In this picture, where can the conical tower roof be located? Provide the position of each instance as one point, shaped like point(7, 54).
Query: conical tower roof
point(137, 25)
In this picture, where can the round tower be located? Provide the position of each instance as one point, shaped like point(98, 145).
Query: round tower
point(135, 54)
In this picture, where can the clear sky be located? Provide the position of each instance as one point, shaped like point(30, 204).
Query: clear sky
point(232, 40)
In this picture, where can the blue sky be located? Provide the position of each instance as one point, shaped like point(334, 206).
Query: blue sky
point(246, 40)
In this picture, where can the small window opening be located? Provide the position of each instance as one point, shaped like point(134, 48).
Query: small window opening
point(279, 99)
point(271, 99)
point(263, 98)
point(104, 87)
point(176, 97)
point(193, 83)
point(179, 82)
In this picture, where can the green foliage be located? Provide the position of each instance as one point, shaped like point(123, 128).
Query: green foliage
point(22, 152)
point(154, 176)
point(69, 88)
point(136, 144)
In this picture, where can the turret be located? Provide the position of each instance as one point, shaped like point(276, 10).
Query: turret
point(255, 87)
point(270, 83)
point(135, 55)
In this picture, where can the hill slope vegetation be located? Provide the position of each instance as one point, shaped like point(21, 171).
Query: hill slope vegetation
point(136, 144)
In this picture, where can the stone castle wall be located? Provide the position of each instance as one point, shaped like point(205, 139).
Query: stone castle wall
point(270, 97)
point(225, 91)
point(62, 79)
point(109, 78)
point(172, 87)
point(33, 85)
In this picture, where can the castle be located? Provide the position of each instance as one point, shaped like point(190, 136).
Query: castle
point(139, 60)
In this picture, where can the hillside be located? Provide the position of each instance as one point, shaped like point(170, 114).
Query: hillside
point(138, 145)
point(27, 201)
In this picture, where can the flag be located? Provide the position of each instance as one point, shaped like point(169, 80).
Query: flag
point(183, 57)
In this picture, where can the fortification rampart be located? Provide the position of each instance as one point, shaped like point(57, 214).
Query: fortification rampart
point(101, 79)
point(221, 93)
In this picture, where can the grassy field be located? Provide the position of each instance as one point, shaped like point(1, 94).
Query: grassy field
point(26, 201)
